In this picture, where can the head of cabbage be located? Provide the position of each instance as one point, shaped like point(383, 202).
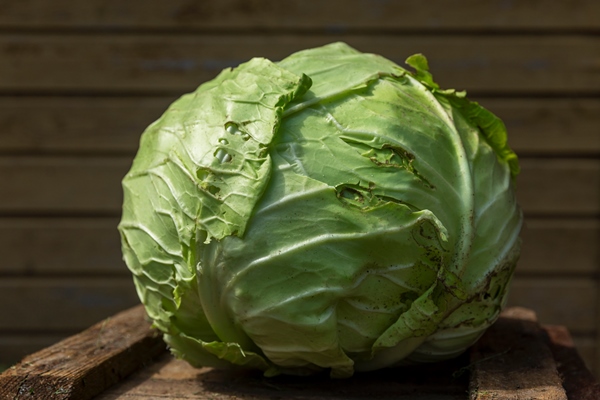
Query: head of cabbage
point(329, 211)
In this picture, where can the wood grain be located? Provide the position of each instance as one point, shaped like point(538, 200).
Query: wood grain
point(578, 381)
point(109, 63)
point(84, 365)
point(512, 361)
point(15, 346)
point(328, 16)
point(113, 125)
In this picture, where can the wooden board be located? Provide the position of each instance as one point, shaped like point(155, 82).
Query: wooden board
point(579, 383)
point(91, 247)
point(559, 187)
point(83, 365)
point(146, 64)
point(76, 185)
point(113, 125)
point(512, 361)
point(548, 298)
point(560, 247)
point(63, 247)
point(328, 15)
point(515, 358)
point(61, 304)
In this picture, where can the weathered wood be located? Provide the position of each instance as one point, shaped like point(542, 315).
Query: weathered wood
point(513, 64)
point(512, 361)
point(586, 347)
point(326, 16)
point(84, 365)
point(15, 346)
point(91, 246)
point(173, 379)
point(90, 125)
point(578, 381)
point(76, 185)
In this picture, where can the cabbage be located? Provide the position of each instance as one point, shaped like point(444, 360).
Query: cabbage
point(329, 211)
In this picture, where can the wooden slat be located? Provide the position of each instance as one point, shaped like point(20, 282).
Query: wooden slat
point(578, 381)
point(549, 126)
point(91, 246)
point(587, 349)
point(58, 305)
point(77, 124)
point(114, 124)
point(562, 301)
point(559, 186)
point(84, 365)
point(60, 246)
point(13, 347)
point(328, 15)
point(92, 185)
point(512, 361)
point(512, 64)
point(560, 247)
point(62, 184)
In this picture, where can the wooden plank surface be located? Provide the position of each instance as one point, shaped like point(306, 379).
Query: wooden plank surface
point(113, 125)
point(174, 379)
point(327, 15)
point(76, 185)
point(512, 361)
point(108, 63)
point(84, 365)
point(578, 381)
point(91, 246)
point(14, 347)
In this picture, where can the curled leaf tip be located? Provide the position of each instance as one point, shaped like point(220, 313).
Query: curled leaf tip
point(421, 66)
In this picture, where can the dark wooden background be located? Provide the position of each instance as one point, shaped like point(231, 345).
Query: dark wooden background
point(80, 80)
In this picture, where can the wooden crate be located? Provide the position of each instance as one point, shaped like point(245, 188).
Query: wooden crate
point(123, 358)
